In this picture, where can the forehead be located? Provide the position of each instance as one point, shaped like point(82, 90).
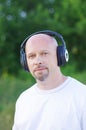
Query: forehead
point(41, 42)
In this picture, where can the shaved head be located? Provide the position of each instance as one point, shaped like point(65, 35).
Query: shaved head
point(42, 38)
point(41, 55)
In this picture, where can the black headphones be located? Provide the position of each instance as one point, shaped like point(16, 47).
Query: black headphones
point(62, 53)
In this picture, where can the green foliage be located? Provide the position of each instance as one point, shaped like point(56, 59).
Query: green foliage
point(18, 19)
point(70, 70)
point(6, 117)
point(11, 87)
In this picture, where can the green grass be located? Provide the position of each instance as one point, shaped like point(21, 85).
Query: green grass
point(11, 87)
point(71, 71)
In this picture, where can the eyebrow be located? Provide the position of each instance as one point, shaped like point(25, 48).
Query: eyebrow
point(39, 51)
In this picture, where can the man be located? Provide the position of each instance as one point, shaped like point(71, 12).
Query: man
point(56, 101)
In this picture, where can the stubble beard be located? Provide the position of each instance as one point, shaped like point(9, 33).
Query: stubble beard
point(41, 76)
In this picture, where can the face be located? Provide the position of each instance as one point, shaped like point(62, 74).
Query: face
point(41, 56)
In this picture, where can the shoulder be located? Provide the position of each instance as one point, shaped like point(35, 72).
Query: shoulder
point(26, 95)
point(76, 83)
point(76, 93)
point(76, 88)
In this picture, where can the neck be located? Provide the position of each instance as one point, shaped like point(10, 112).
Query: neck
point(51, 82)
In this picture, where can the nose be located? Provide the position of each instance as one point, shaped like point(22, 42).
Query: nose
point(38, 60)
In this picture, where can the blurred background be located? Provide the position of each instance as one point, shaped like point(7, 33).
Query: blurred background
point(18, 19)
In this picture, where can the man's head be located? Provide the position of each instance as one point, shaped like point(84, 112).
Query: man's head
point(41, 56)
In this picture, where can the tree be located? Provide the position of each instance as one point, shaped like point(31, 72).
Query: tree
point(18, 19)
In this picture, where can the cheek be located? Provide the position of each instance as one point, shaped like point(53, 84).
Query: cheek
point(29, 63)
point(53, 61)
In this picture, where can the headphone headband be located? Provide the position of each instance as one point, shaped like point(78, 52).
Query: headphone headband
point(47, 32)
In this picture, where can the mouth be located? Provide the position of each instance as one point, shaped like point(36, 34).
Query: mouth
point(39, 69)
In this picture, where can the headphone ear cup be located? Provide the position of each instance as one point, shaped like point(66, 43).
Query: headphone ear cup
point(62, 55)
point(23, 60)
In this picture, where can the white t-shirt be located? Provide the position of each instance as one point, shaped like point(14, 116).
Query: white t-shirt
point(61, 108)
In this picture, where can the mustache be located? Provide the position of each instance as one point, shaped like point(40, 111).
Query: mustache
point(39, 67)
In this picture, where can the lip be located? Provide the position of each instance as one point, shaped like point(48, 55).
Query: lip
point(39, 69)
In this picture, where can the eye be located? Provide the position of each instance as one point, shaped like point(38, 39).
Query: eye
point(44, 53)
point(31, 56)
